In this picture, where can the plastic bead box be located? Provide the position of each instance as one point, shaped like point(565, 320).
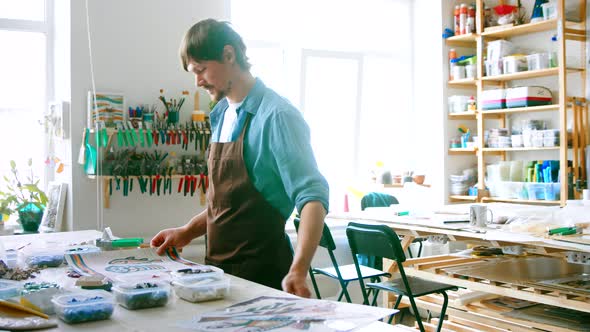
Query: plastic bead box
point(202, 290)
point(84, 306)
point(44, 257)
point(197, 273)
point(142, 295)
point(40, 295)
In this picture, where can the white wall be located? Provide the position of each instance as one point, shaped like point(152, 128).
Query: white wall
point(135, 51)
point(429, 81)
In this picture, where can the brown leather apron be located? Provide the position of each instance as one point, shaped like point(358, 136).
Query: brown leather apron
point(245, 234)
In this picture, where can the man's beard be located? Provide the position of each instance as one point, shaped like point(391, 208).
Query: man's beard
point(222, 93)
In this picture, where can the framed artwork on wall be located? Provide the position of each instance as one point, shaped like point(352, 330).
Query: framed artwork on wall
point(108, 108)
point(54, 211)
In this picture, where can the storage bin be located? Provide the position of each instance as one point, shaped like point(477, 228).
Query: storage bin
point(498, 49)
point(458, 104)
point(493, 67)
point(537, 61)
point(550, 141)
point(536, 191)
point(528, 96)
point(202, 290)
point(470, 71)
point(516, 141)
point(84, 306)
point(493, 99)
point(552, 191)
point(140, 295)
point(514, 64)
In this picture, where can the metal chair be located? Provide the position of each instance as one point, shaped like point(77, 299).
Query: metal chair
point(382, 241)
point(345, 273)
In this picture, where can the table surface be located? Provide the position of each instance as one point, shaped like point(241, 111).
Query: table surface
point(420, 225)
point(153, 319)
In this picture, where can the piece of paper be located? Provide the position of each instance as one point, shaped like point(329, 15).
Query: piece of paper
point(117, 263)
point(287, 314)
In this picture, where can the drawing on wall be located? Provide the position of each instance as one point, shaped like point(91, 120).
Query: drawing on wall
point(267, 313)
point(53, 214)
point(107, 110)
point(113, 264)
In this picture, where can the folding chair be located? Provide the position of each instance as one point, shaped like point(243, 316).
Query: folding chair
point(382, 241)
point(344, 274)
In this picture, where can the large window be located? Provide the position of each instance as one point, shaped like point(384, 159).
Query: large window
point(349, 71)
point(25, 36)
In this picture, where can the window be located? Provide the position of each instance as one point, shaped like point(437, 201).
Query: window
point(25, 36)
point(350, 75)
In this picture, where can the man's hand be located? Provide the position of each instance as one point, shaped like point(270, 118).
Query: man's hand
point(294, 283)
point(172, 237)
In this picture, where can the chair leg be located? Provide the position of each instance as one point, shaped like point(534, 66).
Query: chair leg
point(416, 313)
point(442, 311)
point(375, 295)
point(397, 302)
point(410, 252)
point(420, 250)
point(315, 285)
point(344, 292)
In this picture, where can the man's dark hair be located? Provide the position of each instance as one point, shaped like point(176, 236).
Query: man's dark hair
point(205, 41)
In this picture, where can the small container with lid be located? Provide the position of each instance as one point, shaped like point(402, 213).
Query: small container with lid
point(84, 306)
point(40, 294)
point(140, 295)
point(197, 272)
point(202, 290)
point(43, 257)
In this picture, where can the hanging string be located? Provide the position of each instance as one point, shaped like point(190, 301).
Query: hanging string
point(99, 183)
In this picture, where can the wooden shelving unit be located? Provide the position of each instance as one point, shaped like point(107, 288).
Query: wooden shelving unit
point(463, 198)
point(519, 201)
point(565, 31)
point(462, 151)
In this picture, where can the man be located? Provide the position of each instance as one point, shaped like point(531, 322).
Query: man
point(261, 166)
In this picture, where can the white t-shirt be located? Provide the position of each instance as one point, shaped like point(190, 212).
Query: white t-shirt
point(229, 121)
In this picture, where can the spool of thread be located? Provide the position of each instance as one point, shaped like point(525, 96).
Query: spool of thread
point(586, 194)
point(198, 116)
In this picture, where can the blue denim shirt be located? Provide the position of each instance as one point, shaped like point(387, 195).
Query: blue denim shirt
point(277, 150)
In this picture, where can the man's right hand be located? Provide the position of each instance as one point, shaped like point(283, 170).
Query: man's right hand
point(172, 237)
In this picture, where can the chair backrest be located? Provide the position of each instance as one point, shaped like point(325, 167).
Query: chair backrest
point(327, 241)
point(377, 200)
point(375, 240)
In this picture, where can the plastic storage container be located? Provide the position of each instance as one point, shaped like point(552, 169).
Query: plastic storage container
point(197, 272)
point(458, 104)
point(514, 64)
point(537, 61)
point(40, 295)
point(528, 96)
point(44, 257)
point(202, 290)
point(9, 288)
point(493, 99)
point(84, 306)
point(552, 191)
point(536, 191)
point(140, 295)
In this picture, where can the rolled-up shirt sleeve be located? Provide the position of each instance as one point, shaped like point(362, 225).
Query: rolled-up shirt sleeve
point(295, 162)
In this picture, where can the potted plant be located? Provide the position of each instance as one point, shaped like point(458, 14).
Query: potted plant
point(24, 197)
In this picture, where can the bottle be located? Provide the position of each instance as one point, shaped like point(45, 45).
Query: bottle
point(470, 28)
point(462, 18)
point(452, 56)
point(472, 105)
point(456, 21)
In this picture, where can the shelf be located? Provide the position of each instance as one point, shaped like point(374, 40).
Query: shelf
point(543, 108)
point(401, 185)
point(462, 150)
point(462, 116)
point(519, 201)
point(466, 40)
point(528, 74)
point(522, 29)
point(463, 82)
point(519, 149)
point(463, 198)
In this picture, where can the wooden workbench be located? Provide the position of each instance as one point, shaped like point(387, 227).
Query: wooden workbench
point(477, 315)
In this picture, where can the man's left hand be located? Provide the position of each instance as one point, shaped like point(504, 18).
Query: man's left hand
point(295, 283)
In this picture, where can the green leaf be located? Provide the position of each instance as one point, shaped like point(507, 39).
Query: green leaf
point(13, 164)
point(30, 162)
point(6, 178)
